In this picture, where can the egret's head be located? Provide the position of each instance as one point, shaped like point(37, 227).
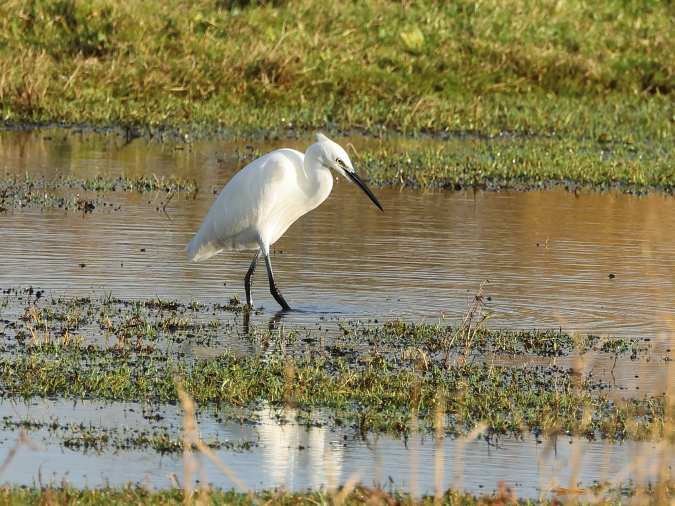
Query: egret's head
point(332, 156)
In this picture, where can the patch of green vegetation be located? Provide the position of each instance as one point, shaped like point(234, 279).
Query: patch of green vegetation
point(369, 391)
point(352, 496)
point(56, 192)
point(383, 378)
point(508, 162)
point(523, 163)
point(48, 323)
point(438, 338)
point(575, 68)
point(94, 438)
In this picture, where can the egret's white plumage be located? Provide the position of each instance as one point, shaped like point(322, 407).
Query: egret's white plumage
point(260, 202)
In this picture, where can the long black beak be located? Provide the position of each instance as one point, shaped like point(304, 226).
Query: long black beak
point(363, 186)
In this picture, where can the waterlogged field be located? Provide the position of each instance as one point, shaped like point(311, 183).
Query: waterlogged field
point(504, 330)
point(504, 342)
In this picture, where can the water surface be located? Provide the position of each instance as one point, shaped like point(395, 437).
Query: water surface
point(588, 262)
point(601, 263)
point(296, 457)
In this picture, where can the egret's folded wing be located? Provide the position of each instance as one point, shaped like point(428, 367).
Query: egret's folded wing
point(233, 220)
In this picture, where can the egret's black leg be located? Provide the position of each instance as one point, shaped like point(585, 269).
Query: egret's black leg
point(247, 279)
point(273, 286)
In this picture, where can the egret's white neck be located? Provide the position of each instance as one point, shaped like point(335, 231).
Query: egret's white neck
point(318, 180)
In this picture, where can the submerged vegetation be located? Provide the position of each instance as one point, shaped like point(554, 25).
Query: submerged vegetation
point(379, 378)
point(93, 438)
point(64, 191)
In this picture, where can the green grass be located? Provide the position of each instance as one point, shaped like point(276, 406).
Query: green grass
point(370, 393)
point(503, 162)
point(92, 438)
point(522, 163)
point(382, 378)
point(579, 69)
point(435, 338)
point(63, 192)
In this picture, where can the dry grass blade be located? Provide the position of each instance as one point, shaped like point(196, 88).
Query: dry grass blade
point(189, 435)
point(473, 321)
point(438, 453)
point(346, 490)
point(22, 440)
point(664, 468)
point(192, 440)
point(461, 444)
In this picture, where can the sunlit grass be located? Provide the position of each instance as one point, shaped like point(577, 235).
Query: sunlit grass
point(569, 68)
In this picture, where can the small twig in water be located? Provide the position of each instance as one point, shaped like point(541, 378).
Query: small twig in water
point(166, 202)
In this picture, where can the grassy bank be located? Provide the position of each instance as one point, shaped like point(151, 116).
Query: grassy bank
point(578, 69)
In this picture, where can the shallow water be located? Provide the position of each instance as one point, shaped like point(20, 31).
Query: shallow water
point(295, 457)
point(547, 255)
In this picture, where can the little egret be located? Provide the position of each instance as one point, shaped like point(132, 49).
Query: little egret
point(260, 202)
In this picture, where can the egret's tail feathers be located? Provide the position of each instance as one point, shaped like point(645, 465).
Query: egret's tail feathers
point(197, 250)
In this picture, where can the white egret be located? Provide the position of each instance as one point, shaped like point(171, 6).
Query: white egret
point(260, 202)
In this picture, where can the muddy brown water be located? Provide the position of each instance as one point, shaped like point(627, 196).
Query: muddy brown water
point(548, 255)
point(588, 262)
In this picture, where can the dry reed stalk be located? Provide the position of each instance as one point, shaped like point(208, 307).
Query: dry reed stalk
point(22, 440)
point(439, 453)
point(581, 367)
point(664, 471)
point(189, 435)
point(459, 461)
point(414, 452)
point(346, 490)
point(192, 440)
point(472, 322)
